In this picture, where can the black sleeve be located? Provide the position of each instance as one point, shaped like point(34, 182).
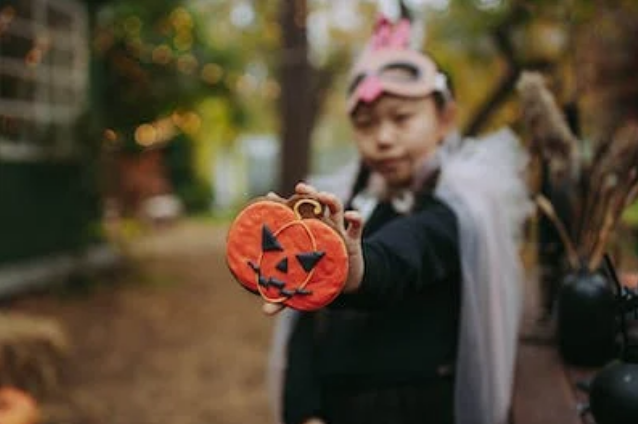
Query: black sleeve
point(302, 392)
point(405, 256)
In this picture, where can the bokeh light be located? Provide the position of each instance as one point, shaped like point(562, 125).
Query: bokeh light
point(145, 135)
point(162, 54)
point(187, 64)
point(211, 73)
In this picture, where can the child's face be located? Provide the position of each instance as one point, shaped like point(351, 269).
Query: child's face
point(394, 135)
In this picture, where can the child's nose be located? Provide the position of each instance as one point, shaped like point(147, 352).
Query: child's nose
point(385, 135)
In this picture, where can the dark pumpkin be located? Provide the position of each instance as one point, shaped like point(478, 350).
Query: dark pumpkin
point(613, 396)
point(587, 323)
point(287, 254)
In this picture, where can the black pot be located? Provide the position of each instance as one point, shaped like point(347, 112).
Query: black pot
point(613, 396)
point(586, 319)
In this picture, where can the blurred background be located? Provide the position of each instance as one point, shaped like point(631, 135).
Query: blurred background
point(131, 131)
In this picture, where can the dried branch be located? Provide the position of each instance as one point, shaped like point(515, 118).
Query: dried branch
point(618, 170)
point(596, 215)
point(546, 207)
point(621, 155)
point(551, 135)
point(612, 216)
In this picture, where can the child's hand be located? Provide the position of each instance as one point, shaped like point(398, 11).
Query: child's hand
point(314, 421)
point(350, 233)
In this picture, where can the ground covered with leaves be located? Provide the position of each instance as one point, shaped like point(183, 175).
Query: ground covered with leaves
point(174, 340)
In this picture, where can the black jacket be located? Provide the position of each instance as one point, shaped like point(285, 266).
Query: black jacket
point(399, 327)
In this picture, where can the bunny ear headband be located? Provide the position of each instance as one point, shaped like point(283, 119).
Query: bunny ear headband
point(387, 52)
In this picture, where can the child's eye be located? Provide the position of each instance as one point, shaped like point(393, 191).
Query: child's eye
point(363, 123)
point(401, 117)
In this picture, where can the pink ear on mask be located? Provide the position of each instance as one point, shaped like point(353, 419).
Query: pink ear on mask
point(391, 36)
point(381, 33)
point(401, 35)
point(370, 89)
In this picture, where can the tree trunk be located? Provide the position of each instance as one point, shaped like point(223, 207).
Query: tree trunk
point(296, 95)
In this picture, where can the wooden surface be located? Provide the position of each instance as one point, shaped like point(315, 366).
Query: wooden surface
point(543, 391)
point(546, 389)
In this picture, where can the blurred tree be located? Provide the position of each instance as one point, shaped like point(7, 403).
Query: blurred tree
point(272, 102)
point(483, 44)
point(487, 43)
point(157, 67)
point(254, 56)
point(607, 75)
point(157, 64)
point(296, 94)
point(304, 87)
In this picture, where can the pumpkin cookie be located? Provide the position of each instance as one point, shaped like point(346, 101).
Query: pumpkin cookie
point(285, 252)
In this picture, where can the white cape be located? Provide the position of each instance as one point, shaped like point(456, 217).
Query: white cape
point(482, 181)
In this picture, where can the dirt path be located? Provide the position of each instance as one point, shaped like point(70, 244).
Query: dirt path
point(182, 345)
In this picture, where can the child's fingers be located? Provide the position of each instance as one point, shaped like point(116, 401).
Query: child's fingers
point(303, 188)
point(272, 308)
point(274, 196)
point(314, 421)
point(334, 205)
point(355, 224)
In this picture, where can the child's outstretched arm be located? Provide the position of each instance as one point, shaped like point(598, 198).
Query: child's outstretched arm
point(399, 260)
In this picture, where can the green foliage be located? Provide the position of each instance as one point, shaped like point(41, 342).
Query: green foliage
point(158, 62)
point(155, 63)
point(481, 42)
point(196, 195)
point(630, 216)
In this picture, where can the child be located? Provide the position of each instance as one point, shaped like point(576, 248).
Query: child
point(425, 330)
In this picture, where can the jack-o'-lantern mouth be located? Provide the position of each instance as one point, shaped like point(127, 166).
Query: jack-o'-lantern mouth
point(307, 261)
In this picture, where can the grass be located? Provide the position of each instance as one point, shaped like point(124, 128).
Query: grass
point(630, 216)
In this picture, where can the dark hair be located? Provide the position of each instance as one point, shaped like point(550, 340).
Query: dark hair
point(440, 100)
point(360, 183)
